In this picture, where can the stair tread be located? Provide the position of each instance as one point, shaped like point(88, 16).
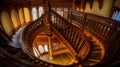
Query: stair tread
point(93, 60)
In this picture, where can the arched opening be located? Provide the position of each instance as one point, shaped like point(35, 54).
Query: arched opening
point(41, 49)
point(36, 53)
point(15, 19)
point(41, 11)
point(34, 13)
point(21, 16)
point(27, 14)
point(6, 23)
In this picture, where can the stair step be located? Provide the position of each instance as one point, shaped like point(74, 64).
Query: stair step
point(96, 52)
point(93, 60)
point(97, 49)
point(87, 63)
point(96, 58)
point(95, 45)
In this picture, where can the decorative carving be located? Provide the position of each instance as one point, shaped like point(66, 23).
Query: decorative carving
point(84, 4)
point(100, 4)
point(91, 3)
point(79, 3)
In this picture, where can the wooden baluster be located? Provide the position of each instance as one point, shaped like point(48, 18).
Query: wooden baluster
point(56, 24)
point(80, 44)
point(67, 33)
point(63, 26)
point(92, 25)
point(104, 30)
point(54, 20)
point(88, 23)
point(79, 41)
point(60, 26)
point(101, 29)
point(107, 32)
point(64, 29)
point(114, 33)
point(68, 38)
point(71, 36)
point(96, 26)
point(111, 34)
point(59, 23)
point(71, 31)
point(74, 37)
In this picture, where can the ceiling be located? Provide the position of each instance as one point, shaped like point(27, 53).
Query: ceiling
point(54, 3)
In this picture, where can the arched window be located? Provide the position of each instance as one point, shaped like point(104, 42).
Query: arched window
point(21, 16)
point(34, 13)
point(27, 14)
point(7, 23)
point(41, 11)
point(36, 53)
point(41, 49)
point(46, 48)
point(15, 19)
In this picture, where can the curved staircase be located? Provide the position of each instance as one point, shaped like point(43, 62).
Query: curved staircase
point(85, 52)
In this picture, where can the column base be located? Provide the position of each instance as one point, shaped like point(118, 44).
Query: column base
point(50, 58)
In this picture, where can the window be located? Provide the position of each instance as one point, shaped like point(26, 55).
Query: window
point(116, 15)
point(35, 52)
point(46, 48)
point(58, 10)
point(41, 49)
point(34, 13)
point(41, 11)
point(66, 9)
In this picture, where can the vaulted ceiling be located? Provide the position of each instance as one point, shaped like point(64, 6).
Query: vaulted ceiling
point(54, 3)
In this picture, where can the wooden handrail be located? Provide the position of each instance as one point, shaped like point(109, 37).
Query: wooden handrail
point(104, 28)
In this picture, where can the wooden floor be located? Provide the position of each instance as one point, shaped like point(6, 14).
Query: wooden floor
point(61, 59)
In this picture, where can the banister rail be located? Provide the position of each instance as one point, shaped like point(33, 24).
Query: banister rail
point(72, 34)
point(105, 28)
